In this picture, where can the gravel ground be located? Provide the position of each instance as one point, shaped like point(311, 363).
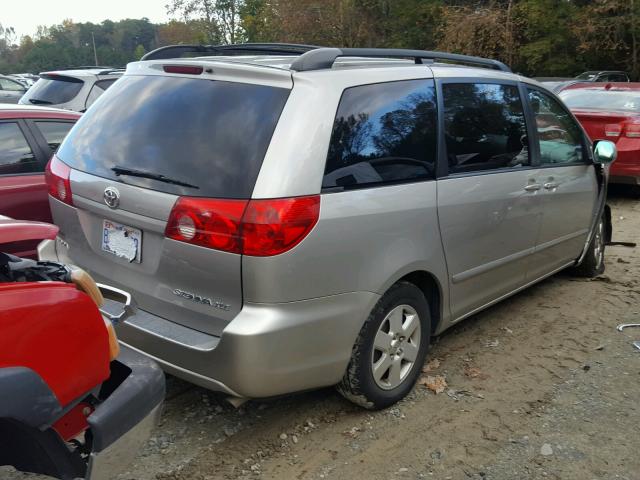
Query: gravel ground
point(541, 386)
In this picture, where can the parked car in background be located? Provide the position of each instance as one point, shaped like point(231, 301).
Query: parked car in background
point(24, 79)
point(603, 76)
point(11, 90)
point(73, 404)
point(611, 111)
point(557, 84)
point(29, 135)
point(74, 89)
point(305, 217)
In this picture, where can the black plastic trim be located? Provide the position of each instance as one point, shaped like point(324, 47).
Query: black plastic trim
point(135, 388)
point(27, 398)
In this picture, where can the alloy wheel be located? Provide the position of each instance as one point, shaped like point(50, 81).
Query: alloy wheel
point(396, 347)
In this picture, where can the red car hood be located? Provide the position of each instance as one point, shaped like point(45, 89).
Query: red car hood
point(21, 230)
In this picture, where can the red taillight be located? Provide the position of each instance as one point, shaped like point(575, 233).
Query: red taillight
point(184, 69)
point(57, 176)
point(258, 228)
point(207, 222)
point(612, 130)
point(271, 227)
point(632, 130)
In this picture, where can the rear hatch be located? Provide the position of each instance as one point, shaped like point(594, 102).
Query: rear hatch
point(148, 141)
point(53, 89)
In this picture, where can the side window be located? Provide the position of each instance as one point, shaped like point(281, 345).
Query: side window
point(16, 155)
point(10, 85)
point(383, 133)
point(559, 135)
point(98, 89)
point(484, 126)
point(54, 132)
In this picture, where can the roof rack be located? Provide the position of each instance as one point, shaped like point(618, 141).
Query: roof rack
point(178, 51)
point(312, 57)
point(324, 58)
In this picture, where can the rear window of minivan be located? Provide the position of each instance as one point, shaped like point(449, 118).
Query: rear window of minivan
point(205, 137)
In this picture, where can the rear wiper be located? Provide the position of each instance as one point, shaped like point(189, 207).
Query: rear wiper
point(153, 176)
point(35, 101)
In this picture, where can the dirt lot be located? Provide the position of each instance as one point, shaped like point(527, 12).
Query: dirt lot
point(540, 386)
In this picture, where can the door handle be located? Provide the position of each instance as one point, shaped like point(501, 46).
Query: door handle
point(533, 187)
point(551, 185)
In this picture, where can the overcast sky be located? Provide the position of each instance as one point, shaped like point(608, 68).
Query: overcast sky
point(25, 16)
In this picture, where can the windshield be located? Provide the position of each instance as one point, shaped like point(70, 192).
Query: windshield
point(177, 135)
point(602, 99)
point(587, 76)
point(53, 90)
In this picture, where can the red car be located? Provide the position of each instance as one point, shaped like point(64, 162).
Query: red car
point(28, 137)
point(611, 111)
point(72, 403)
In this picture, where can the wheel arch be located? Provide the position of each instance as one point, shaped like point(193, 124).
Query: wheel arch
point(431, 287)
point(25, 386)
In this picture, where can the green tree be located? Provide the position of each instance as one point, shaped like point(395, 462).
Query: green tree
point(139, 52)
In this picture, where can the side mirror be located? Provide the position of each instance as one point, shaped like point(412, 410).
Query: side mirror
point(605, 152)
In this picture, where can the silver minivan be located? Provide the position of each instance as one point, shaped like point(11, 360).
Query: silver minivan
point(290, 217)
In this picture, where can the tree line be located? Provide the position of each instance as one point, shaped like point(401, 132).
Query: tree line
point(534, 37)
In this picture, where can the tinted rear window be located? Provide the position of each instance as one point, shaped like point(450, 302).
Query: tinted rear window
point(383, 133)
point(209, 134)
point(50, 90)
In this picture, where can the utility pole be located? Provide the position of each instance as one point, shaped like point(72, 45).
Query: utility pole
point(95, 53)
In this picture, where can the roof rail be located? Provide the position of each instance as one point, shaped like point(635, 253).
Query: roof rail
point(324, 58)
point(87, 67)
point(177, 51)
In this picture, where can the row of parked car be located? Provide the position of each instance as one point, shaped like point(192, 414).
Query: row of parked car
point(264, 219)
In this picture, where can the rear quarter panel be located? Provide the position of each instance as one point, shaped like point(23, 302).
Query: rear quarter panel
point(365, 240)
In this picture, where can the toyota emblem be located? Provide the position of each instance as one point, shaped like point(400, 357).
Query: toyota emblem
point(111, 197)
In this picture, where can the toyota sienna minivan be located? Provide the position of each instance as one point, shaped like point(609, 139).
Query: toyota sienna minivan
point(290, 217)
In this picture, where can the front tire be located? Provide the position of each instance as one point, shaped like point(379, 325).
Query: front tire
point(389, 352)
point(593, 263)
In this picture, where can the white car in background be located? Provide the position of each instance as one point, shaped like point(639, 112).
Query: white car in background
point(75, 89)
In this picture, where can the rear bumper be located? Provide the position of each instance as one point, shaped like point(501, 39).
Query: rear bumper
point(122, 423)
point(626, 169)
point(267, 350)
point(620, 178)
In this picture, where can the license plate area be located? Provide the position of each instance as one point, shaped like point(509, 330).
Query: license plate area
point(122, 241)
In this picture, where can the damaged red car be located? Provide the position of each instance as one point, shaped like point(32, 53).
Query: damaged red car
point(73, 403)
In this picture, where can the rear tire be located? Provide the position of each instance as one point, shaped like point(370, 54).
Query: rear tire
point(593, 263)
point(389, 352)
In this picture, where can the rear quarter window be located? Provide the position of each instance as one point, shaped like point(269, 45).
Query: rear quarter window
point(383, 134)
point(210, 136)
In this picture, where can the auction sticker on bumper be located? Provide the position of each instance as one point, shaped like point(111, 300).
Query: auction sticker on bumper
point(122, 241)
